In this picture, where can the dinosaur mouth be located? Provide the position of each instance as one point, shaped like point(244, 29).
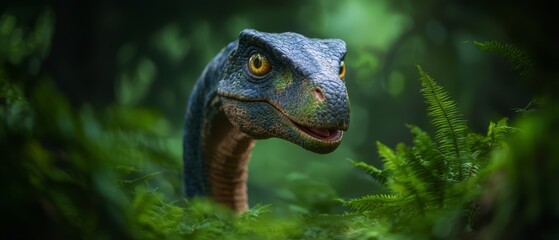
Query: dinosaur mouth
point(324, 134)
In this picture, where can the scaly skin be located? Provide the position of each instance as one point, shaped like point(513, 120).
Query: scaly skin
point(302, 100)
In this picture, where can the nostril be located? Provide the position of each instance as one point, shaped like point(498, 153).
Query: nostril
point(318, 94)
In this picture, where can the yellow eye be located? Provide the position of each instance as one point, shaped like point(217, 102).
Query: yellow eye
point(342, 70)
point(259, 65)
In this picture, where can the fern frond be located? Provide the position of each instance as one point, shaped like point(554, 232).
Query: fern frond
point(391, 162)
point(446, 118)
point(375, 173)
point(425, 148)
point(480, 146)
point(497, 131)
point(425, 154)
point(404, 176)
point(398, 174)
point(428, 184)
point(380, 204)
point(515, 56)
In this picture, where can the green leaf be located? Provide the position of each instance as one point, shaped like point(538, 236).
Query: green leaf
point(380, 204)
point(497, 131)
point(391, 162)
point(375, 173)
point(515, 56)
point(446, 118)
point(426, 150)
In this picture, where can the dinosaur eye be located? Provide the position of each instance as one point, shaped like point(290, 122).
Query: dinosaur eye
point(342, 70)
point(259, 65)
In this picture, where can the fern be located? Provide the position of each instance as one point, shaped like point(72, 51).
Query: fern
point(425, 149)
point(497, 131)
point(446, 118)
point(519, 60)
point(391, 162)
point(375, 173)
point(480, 146)
point(69, 160)
point(379, 205)
point(434, 178)
point(395, 166)
point(428, 181)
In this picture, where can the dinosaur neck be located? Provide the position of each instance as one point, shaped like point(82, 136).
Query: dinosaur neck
point(226, 152)
point(215, 154)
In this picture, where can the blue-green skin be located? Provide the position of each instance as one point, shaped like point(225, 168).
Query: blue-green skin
point(261, 107)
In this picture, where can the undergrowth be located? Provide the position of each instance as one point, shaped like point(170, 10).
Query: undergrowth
point(83, 173)
point(431, 187)
point(87, 172)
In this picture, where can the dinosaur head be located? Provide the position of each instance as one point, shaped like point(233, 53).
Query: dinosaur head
point(287, 86)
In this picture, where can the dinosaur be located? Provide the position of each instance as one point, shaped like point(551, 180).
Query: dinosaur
point(262, 85)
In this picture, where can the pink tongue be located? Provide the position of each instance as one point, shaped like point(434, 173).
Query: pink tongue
point(320, 132)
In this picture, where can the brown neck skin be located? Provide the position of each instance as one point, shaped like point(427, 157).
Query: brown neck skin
point(226, 154)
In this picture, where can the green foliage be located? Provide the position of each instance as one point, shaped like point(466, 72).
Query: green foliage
point(378, 205)
point(28, 48)
point(450, 128)
point(521, 197)
point(518, 59)
point(93, 175)
point(435, 180)
point(375, 173)
point(77, 172)
point(112, 174)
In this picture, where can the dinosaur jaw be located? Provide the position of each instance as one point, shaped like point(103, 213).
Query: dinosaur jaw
point(321, 134)
point(261, 120)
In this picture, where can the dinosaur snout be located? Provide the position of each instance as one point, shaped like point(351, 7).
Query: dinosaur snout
point(332, 99)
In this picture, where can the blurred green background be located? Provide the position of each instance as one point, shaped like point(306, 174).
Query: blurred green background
point(147, 55)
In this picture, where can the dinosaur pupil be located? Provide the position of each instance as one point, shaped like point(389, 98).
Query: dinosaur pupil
point(258, 65)
point(258, 61)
